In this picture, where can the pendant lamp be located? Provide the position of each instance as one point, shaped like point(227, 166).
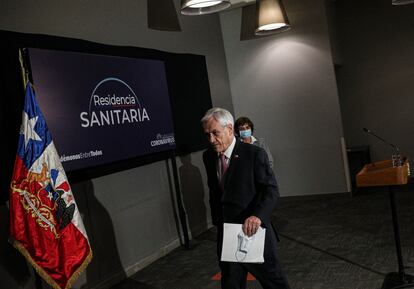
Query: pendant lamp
point(200, 7)
point(270, 17)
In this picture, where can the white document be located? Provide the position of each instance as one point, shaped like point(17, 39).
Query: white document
point(237, 247)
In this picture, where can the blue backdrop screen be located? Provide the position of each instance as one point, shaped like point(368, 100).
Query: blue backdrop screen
point(101, 109)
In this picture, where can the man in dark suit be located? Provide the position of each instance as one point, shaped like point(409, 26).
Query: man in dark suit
point(243, 190)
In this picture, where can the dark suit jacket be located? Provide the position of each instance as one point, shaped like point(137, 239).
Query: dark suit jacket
point(250, 186)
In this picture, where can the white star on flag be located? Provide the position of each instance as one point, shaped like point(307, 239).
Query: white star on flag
point(27, 129)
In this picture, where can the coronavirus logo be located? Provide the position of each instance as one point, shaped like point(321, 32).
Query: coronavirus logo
point(113, 102)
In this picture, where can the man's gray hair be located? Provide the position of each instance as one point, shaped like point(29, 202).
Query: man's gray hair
point(221, 115)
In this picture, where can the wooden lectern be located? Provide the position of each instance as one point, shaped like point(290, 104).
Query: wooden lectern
point(383, 173)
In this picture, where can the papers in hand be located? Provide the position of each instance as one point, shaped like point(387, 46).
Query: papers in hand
point(238, 247)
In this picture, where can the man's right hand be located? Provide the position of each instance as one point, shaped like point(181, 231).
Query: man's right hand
point(251, 225)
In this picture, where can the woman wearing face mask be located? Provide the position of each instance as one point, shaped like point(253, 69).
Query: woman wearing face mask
point(244, 129)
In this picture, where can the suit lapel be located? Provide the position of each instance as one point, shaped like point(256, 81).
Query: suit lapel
point(213, 164)
point(233, 162)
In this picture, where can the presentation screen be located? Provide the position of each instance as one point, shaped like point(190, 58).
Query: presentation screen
point(101, 109)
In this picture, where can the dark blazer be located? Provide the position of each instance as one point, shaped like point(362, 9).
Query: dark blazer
point(250, 187)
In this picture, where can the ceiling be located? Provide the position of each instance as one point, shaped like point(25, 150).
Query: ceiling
point(240, 3)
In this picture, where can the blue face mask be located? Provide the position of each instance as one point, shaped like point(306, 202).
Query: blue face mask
point(245, 133)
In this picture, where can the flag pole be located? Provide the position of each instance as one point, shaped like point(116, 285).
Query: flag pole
point(25, 78)
point(23, 67)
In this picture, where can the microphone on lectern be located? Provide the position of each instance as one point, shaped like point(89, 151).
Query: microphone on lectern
point(396, 158)
point(397, 150)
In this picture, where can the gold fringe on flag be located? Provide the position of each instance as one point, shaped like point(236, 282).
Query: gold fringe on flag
point(42, 273)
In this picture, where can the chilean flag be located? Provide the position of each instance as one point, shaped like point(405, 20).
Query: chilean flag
point(45, 224)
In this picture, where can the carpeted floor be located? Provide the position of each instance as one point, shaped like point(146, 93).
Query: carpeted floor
point(330, 241)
